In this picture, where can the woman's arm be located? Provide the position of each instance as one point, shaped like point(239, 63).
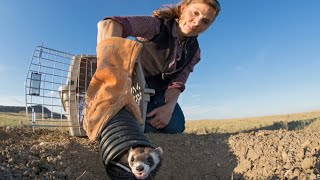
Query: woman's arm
point(145, 27)
point(108, 28)
point(162, 115)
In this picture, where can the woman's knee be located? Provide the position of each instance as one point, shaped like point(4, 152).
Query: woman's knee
point(177, 122)
point(177, 129)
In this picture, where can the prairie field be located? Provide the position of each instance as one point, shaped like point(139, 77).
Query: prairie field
point(271, 147)
point(305, 120)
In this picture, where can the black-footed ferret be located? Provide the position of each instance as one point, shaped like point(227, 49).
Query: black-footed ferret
point(142, 161)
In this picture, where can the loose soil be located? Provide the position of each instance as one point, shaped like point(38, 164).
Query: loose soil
point(263, 154)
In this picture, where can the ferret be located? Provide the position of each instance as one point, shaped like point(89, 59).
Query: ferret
point(143, 162)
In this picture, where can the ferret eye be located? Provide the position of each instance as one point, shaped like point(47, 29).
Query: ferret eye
point(132, 159)
point(150, 160)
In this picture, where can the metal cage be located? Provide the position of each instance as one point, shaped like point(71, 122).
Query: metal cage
point(56, 84)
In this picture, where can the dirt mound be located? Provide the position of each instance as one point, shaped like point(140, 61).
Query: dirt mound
point(277, 154)
point(52, 154)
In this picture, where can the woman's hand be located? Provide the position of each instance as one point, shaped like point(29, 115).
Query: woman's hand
point(161, 116)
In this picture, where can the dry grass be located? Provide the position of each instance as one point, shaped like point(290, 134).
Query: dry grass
point(12, 119)
point(305, 120)
point(19, 119)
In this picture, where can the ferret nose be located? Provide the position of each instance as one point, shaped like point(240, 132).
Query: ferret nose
point(140, 168)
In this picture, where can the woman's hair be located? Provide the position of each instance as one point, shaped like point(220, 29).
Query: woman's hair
point(173, 11)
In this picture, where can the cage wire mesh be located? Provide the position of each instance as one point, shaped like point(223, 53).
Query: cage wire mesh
point(56, 84)
point(47, 71)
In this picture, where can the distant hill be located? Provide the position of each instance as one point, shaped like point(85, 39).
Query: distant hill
point(12, 109)
point(37, 109)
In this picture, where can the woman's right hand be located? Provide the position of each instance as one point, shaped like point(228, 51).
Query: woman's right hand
point(161, 116)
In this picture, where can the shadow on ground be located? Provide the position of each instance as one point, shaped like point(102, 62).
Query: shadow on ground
point(290, 126)
point(192, 156)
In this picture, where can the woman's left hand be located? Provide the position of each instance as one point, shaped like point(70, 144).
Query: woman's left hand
point(161, 116)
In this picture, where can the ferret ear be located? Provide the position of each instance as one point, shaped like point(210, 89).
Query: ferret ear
point(159, 150)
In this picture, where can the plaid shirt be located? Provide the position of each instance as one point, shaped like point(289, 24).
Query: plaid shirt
point(145, 28)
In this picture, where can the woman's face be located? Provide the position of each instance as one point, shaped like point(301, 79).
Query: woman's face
point(195, 18)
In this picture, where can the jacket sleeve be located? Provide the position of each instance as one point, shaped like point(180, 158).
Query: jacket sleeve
point(144, 27)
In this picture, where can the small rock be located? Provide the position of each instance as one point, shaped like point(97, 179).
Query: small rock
point(296, 172)
point(305, 144)
point(284, 156)
point(218, 165)
point(236, 176)
point(11, 160)
point(308, 163)
point(288, 172)
point(62, 152)
point(202, 143)
point(36, 170)
point(67, 171)
point(312, 176)
point(43, 143)
point(35, 163)
point(262, 134)
point(207, 152)
point(25, 173)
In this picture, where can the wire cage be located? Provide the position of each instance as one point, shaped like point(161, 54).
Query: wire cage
point(56, 84)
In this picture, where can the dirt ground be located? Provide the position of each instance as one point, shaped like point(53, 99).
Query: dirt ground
point(278, 154)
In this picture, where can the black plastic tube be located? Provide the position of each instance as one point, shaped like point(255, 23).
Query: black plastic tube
point(120, 134)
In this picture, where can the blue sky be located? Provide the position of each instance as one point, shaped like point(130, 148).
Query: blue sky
point(258, 58)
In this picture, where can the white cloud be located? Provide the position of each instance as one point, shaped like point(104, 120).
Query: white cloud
point(12, 100)
point(264, 52)
point(202, 112)
point(193, 85)
point(195, 95)
point(261, 55)
point(220, 111)
point(2, 68)
point(239, 68)
point(258, 60)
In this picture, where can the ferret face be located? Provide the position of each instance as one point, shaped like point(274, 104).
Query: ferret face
point(143, 160)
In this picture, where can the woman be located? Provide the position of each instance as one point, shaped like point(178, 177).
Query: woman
point(170, 52)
